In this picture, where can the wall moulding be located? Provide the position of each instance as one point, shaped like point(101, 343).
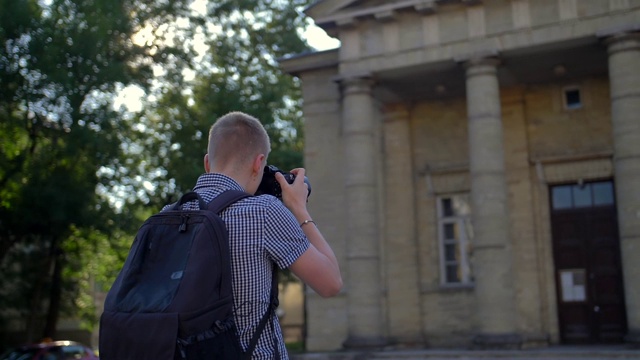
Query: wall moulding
point(567, 169)
point(446, 178)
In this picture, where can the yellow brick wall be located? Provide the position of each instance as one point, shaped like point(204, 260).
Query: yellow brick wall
point(536, 126)
point(554, 131)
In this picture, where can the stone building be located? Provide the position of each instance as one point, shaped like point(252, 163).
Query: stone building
point(476, 166)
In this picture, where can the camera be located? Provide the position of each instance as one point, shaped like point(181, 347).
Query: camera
point(269, 185)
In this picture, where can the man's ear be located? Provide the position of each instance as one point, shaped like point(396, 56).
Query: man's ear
point(258, 164)
point(206, 163)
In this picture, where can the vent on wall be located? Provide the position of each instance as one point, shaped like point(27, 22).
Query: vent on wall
point(572, 98)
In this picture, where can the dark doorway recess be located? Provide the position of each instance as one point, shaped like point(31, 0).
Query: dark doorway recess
point(586, 251)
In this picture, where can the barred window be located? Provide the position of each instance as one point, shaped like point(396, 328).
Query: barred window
point(572, 98)
point(455, 235)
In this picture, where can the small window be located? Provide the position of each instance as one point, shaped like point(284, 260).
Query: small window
point(603, 193)
point(582, 195)
point(447, 207)
point(561, 196)
point(572, 97)
point(455, 234)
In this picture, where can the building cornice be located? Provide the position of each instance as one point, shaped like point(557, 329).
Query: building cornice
point(385, 12)
point(297, 64)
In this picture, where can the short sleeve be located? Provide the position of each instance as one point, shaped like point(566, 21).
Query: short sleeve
point(284, 240)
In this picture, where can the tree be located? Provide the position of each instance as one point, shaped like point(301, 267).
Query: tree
point(237, 69)
point(77, 176)
point(60, 64)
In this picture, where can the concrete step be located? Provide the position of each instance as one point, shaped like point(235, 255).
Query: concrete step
point(552, 353)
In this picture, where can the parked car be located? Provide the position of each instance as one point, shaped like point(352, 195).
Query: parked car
point(54, 350)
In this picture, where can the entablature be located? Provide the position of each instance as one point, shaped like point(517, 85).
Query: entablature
point(346, 17)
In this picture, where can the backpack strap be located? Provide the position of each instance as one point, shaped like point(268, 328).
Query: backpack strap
point(268, 315)
point(190, 196)
point(225, 199)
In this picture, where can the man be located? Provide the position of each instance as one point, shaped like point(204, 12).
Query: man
point(263, 231)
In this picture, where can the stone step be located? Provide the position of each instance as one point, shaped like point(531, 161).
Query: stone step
point(560, 353)
point(504, 355)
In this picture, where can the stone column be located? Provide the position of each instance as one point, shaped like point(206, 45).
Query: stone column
point(624, 76)
point(363, 285)
point(491, 259)
point(403, 290)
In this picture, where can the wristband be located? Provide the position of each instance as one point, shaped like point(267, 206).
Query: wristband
point(306, 222)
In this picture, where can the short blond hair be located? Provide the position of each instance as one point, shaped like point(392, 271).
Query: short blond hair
point(236, 138)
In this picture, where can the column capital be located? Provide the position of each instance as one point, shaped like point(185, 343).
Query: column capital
point(623, 41)
point(356, 84)
point(481, 66)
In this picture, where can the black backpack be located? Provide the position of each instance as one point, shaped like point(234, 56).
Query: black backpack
point(173, 297)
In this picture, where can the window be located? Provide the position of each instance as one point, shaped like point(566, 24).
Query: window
point(572, 98)
point(582, 195)
point(455, 235)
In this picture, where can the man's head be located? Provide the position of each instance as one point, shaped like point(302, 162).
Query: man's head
point(238, 147)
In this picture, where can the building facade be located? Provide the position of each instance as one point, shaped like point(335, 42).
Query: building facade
point(476, 167)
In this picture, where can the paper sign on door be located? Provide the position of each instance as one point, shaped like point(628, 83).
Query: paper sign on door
point(573, 285)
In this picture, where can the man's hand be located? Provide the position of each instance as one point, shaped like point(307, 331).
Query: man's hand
point(318, 266)
point(294, 196)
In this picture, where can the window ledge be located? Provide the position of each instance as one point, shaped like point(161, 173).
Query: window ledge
point(447, 288)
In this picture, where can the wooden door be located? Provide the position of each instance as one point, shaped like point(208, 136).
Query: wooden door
point(586, 250)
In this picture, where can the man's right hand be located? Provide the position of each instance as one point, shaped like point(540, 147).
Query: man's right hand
point(294, 196)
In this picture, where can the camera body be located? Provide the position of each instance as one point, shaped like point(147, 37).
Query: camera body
point(269, 185)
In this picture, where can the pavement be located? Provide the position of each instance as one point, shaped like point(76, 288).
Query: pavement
point(618, 352)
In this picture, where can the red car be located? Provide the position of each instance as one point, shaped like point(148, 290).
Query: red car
point(54, 350)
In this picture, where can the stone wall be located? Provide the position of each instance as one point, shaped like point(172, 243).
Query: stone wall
point(536, 129)
point(544, 144)
point(326, 318)
point(533, 123)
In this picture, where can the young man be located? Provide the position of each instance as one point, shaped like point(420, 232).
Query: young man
point(263, 231)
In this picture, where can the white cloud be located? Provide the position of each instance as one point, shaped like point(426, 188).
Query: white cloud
point(319, 39)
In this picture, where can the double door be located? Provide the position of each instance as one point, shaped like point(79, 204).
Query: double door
point(586, 249)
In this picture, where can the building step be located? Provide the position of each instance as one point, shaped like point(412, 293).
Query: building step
point(559, 353)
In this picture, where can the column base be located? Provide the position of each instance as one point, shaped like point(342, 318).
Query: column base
point(535, 341)
point(406, 342)
point(369, 343)
point(497, 341)
point(633, 338)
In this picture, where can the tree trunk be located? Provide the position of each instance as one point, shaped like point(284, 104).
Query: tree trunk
point(34, 318)
point(55, 295)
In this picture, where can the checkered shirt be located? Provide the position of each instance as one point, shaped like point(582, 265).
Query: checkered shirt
point(262, 231)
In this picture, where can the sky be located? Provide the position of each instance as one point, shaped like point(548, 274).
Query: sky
point(319, 39)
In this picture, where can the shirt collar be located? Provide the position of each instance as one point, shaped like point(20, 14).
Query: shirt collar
point(216, 180)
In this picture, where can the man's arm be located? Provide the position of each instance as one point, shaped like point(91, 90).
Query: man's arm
point(318, 266)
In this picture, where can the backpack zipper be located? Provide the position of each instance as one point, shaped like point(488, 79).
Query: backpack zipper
point(183, 225)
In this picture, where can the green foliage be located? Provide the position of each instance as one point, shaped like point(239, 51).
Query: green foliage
point(77, 177)
point(60, 63)
point(295, 347)
point(238, 71)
